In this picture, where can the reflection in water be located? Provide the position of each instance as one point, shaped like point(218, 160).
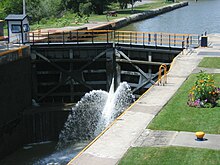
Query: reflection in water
point(197, 18)
point(62, 157)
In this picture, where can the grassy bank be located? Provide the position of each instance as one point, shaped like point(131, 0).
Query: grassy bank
point(178, 116)
point(210, 62)
point(170, 155)
point(70, 19)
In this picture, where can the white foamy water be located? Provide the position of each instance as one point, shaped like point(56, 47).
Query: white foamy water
point(62, 157)
point(115, 104)
point(91, 115)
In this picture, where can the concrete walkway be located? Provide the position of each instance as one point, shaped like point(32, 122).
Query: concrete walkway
point(123, 134)
point(174, 138)
point(207, 70)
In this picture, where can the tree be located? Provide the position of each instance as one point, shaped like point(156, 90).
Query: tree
point(99, 6)
point(39, 9)
point(123, 3)
point(10, 7)
point(85, 8)
point(96, 6)
point(34, 10)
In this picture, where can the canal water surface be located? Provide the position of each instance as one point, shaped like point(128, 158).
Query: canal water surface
point(196, 18)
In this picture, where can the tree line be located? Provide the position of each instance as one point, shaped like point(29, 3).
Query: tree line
point(38, 9)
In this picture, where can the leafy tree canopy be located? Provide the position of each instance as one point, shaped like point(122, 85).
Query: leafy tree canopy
point(38, 9)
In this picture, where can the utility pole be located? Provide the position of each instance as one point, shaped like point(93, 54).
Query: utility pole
point(132, 6)
point(24, 12)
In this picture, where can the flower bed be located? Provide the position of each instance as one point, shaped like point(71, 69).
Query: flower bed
point(204, 93)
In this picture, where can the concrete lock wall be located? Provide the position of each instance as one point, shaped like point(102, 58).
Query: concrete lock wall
point(44, 124)
point(15, 96)
point(15, 87)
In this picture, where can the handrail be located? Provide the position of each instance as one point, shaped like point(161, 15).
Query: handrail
point(118, 37)
point(13, 54)
point(18, 50)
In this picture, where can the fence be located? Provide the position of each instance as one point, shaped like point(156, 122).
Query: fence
point(118, 37)
point(158, 39)
point(14, 54)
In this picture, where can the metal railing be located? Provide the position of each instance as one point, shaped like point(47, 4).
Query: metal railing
point(118, 37)
point(78, 36)
point(13, 54)
point(157, 39)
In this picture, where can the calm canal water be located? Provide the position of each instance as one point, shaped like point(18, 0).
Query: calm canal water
point(198, 17)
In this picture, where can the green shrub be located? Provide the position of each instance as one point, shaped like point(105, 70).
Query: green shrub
point(63, 22)
point(85, 8)
point(43, 21)
point(218, 103)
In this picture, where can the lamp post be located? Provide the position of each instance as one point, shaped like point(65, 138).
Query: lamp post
point(24, 12)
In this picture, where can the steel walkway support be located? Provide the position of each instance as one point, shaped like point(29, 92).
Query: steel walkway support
point(69, 76)
point(144, 79)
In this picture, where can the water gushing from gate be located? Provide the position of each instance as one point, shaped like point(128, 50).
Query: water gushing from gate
point(91, 115)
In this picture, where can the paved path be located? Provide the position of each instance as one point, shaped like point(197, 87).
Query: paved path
point(207, 70)
point(113, 144)
point(174, 138)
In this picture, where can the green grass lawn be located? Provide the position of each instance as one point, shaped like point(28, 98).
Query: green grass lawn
point(178, 116)
point(68, 18)
point(170, 156)
point(210, 62)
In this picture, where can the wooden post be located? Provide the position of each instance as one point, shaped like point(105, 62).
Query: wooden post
point(107, 36)
point(174, 40)
point(48, 37)
point(169, 40)
point(63, 37)
point(92, 37)
point(150, 60)
point(33, 38)
point(77, 37)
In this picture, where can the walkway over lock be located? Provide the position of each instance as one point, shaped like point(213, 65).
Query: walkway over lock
point(66, 65)
point(117, 37)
